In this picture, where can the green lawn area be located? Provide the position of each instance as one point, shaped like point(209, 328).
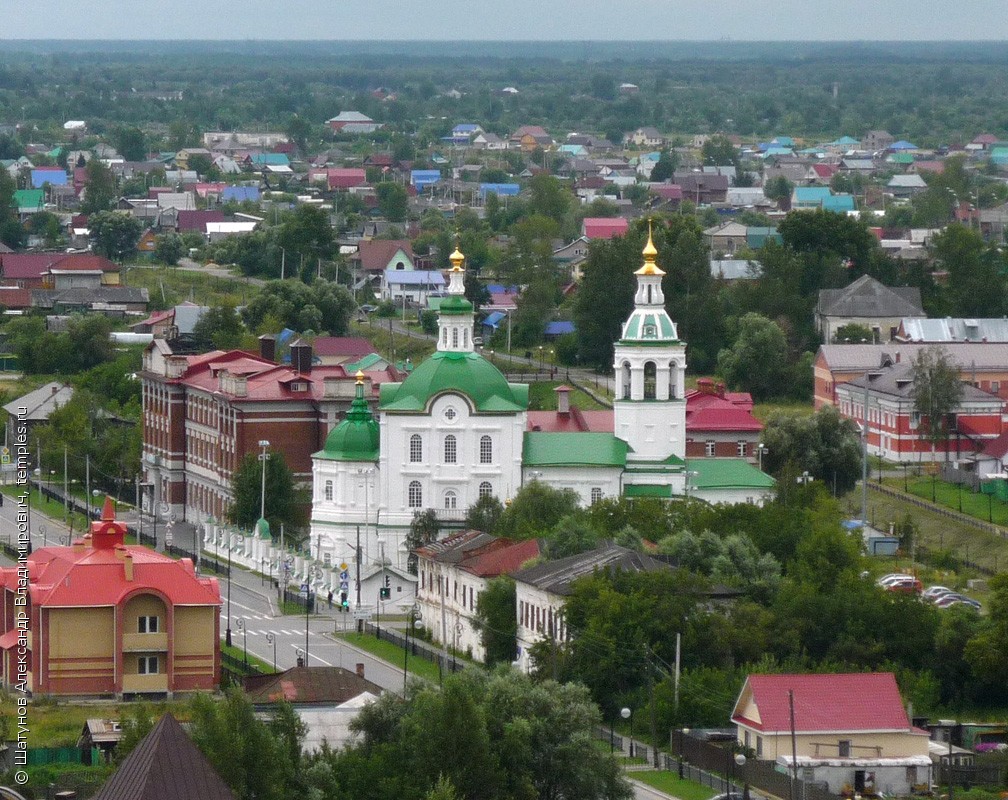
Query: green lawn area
point(763, 411)
point(392, 345)
point(51, 508)
point(981, 506)
point(670, 783)
point(543, 397)
point(238, 651)
point(179, 285)
point(393, 654)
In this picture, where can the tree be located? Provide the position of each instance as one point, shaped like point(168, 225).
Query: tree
point(825, 444)
point(550, 197)
point(976, 284)
point(307, 231)
point(298, 130)
point(757, 361)
point(285, 504)
point(99, 188)
point(114, 234)
point(496, 621)
point(937, 392)
point(718, 151)
point(778, 188)
point(536, 509)
point(12, 233)
point(168, 248)
point(392, 201)
point(131, 143)
point(287, 302)
point(668, 161)
point(484, 514)
point(220, 327)
point(424, 529)
point(853, 332)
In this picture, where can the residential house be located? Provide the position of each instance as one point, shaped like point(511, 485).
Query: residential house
point(529, 137)
point(604, 227)
point(820, 197)
point(849, 731)
point(860, 166)
point(571, 256)
point(541, 592)
point(896, 431)
point(29, 201)
point(869, 303)
point(820, 174)
point(877, 141)
point(325, 698)
point(949, 329)
point(644, 138)
point(984, 365)
point(352, 122)
point(489, 141)
point(165, 765)
point(726, 238)
point(335, 350)
point(39, 270)
point(453, 574)
point(720, 424)
point(906, 186)
point(701, 188)
point(734, 269)
point(35, 407)
point(197, 221)
point(411, 286)
point(110, 619)
point(994, 222)
point(374, 257)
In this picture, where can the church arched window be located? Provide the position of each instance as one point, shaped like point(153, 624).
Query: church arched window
point(414, 494)
point(673, 380)
point(626, 380)
point(415, 449)
point(485, 489)
point(450, 499)
point(650, 380)
point(450, 449)
point(328, 491)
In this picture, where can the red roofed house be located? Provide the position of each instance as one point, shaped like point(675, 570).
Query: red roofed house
point(197, 220)
point(720, 424)
point(851, 731)
point(332, 350)
point(203, 413)
point(604, 227)
point(568, 419)
point(37, 270)
point(106, 618)
point(453, 572)
point(374, 256)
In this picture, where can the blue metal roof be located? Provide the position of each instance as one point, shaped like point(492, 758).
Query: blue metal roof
point(559, 328)
point(500, 189)
point(414, 277)
point(240, 194)
point(424, 177)
point(54, 177)
point(493, 319)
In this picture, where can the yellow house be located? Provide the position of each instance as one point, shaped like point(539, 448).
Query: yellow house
point(104, 618)
point(849, 731)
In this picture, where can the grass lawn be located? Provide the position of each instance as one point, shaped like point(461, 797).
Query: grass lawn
point(935, 531)
point(543, 397)
point(237, 651)
point(392, 345)
point(179, 285)
point(394, 655)
point(981, 506)
point(51, 508)
point(762, 411)
point(670, 783)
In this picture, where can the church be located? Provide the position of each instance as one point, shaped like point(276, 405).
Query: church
point(456, 430)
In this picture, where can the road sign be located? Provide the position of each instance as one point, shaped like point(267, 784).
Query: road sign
point(344, 575)
point(4, 455)
point(363, 614)
point(343, 566)
point(304, 587)
point(344, 586)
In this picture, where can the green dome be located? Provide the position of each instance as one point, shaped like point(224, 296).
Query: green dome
point(455, 305)
point(465, 373)
point(649, 325)
point(356, 437)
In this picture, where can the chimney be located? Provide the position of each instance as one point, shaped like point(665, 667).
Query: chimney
point(267, 347)
point(301, 357)
point(360, 669)
point(128, 565)
point(79, 545)
point(563, 399)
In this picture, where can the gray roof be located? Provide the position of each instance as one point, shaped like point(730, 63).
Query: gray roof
point(896, 380)
point(40, 403)
point(733, 269)
point(981, 356)
point(867, 298)
point(83, 295)
point(557, 576)
point(456, 547)
point(954, 330)
point(907, 182)
point(186, 316)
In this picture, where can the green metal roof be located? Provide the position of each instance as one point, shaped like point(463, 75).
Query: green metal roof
point(29, 198)
point(573, 449)
point(366, 363)
point(647, 490)
point(468, 374)
point(455, 305)
point(356, 437)
point(727, 473)
point(649, 325)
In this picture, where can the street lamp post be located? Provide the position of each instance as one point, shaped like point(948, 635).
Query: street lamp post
point(760, 450)
point(627, 713)
point(244, 633)
point(271, 638)
point(241, 540)
point(682, 736)
point(690, 474)
point(414, 615)
point(805, 478)
point(740, 760)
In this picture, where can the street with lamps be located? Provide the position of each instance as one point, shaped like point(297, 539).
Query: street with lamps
point(760, 450)
point(740, 761)
point(412, 618)
point(627, 713)
point(271, 638)
point(241, 541)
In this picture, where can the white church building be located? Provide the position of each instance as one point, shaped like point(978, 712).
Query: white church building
point(455, 430)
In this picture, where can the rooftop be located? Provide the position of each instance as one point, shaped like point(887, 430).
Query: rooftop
point(556, 576)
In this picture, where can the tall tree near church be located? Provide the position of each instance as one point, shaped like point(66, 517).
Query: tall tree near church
point(937, 392)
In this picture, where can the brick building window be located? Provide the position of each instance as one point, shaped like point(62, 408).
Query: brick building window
point(147, 624)
point(741, 448)
point(709, 447)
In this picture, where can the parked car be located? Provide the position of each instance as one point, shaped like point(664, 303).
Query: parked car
point(890, 576)
point(933, 592)
point(889, 580)
point(909, 584)
point(969, 602)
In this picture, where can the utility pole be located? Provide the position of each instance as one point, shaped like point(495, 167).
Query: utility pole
point(864, 459)
point(794, 746)
point(360, 620)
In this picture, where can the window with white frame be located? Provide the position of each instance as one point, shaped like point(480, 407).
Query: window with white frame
point(147, 624)
point(328, 491)
point(450, 449)
point(486, 450)
point(414, 494)
point(415, 449)
point(450, 499)
point(741, 448)
point(147, 665)
point(454, 337)
point(485, 489)
point(596, 494)
point(709, 447)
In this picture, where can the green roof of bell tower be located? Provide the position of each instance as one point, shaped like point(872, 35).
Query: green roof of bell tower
point(356, 438)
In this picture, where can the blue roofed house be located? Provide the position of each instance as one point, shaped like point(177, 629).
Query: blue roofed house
point(268, 160)
point(500, 189)
point(422, 178)
point(240, 194)
point(54, 176)
point(556, 329)
point(811, 197)
point(413, 285)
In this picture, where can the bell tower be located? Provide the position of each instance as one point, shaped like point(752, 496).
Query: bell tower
point(455, 317)
point(650, 363)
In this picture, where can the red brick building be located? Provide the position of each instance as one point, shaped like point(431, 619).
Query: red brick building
point(898, 433)
point(720, 424)
point(104, 618)
point(203, 413)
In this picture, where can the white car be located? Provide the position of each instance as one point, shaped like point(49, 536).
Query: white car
point(933, 592)
point(889, 580)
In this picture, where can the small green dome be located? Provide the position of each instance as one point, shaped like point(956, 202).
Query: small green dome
point(466, 373)
point(455, 305)
point(262, 528)
point(649, 325)
point(356, 437)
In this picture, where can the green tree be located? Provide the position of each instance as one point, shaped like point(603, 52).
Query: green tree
point(778, 188)
point(99, 188)
point(550, 197)
point(424, 529)
point(298, 130)
point(393, 201)
point(203, 166)
point(825, 444)
point(718, 151)
point(853, 332)
point(131, 143)
point(12, 233)
point(168, 248)
point(136, 723)
point(219, 328)
point(307, 231)
point(536, 509)
point(287, 301)
point(937, 392)
point(757, 361)
point(484, 514)
point(976, 284)
point(114, 234)
point(285, 504)
point(496, 621)
point(668, 161)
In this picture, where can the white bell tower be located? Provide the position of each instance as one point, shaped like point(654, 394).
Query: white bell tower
point(650, 364)
point(455, 319)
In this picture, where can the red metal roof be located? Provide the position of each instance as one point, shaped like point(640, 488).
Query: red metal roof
point(14, 298)
point(825, 703)
point(197, 220)
point(27, 265)
point(84, 262)
point(605, 227)
point(721, 419)
point(577, 421)
point(375, 254)
point(342, 346)
point(997, 447)
point(502, 560)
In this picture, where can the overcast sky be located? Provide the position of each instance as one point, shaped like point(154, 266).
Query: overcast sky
point(507, 19)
